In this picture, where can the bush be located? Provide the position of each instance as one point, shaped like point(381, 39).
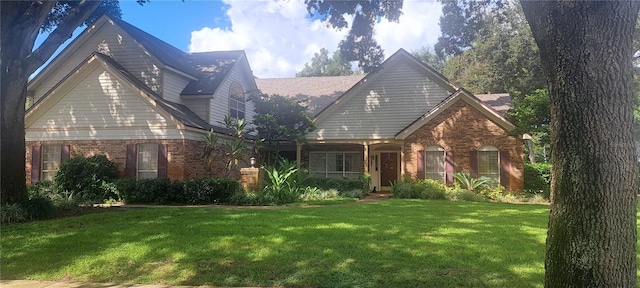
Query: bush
point(460, 194)
point(165, 191)
point(537, 178)
point(12, 213)
point(210, 190)
point(87, 176)
point(422, 189)
point(340, 184)
point(38, 208)
point(43, 188)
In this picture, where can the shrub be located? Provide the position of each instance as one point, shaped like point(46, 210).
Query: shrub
point(340, 184)
point(281, 186)
point(537, 178)
point(459, 194)
point(12, 213)
point(87, 176)
point(209, 190)
point(154, 191)
point(422, 189)
point(466, 181)
point(353, 193)
point(38, 208)
point(43, 188)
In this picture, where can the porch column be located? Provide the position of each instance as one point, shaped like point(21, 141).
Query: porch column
point(402, 160)
point(366, 158)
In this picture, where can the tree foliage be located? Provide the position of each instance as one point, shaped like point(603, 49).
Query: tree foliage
point(433, 60)
point(280, 119)
point(322, 65)
point(359, 44)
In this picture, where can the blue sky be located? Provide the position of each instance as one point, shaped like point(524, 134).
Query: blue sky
point(277, 35)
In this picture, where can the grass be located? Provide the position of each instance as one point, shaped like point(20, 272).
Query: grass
point(395, 243)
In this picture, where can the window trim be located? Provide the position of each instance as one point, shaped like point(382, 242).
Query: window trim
point(138, 150)
point(58, 157)
point(345, 174)
point(487, 149)
point(236, 100)
point(442, 174)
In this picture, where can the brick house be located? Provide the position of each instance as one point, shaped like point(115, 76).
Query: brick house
point(146, 105)
point(120, 91)
point(405, 119)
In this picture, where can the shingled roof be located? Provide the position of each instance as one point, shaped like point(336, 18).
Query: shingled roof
point(210, 68)
point(213, 68)
point(163, 51)
point(318, 92)
point(500, 102)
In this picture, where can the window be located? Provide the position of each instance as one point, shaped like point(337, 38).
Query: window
point(236, 101)
point(51, 158)
point(147, 161)
point(335, 164)
point(489, 162)
point(435, 163)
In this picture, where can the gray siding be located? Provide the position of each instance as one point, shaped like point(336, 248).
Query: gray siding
point(385, 106)
point(173, 85)
point(198, 106)
point(109, 40)
point(101, 106)
point(220, 102)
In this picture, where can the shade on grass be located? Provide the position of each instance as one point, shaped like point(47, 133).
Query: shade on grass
point(396, 243)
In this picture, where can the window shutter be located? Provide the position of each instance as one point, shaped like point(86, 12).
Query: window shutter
point(35, 164)
point(473, 163)
point(420, 165)
point(64, 153)
point(449, 167)
point(162, 161)
point(132, 158)
point(505, 169)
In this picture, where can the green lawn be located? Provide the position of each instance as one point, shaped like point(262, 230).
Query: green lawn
point(395, 243)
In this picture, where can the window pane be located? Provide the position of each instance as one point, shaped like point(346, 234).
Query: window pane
point(51, 155)
point(435, 165)
point(356, 163)
point(317, 163)
point(488, 164)
point(147, 161)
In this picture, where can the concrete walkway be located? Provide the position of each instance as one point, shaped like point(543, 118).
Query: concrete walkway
point(371, 198)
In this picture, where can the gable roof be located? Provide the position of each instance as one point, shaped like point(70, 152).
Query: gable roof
point(459, 95)
point(315, 93)
point(213, 67)
point(163, 51)
point(500, 102)
point(178, 112)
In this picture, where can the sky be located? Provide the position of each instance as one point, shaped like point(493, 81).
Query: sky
point(278, 36)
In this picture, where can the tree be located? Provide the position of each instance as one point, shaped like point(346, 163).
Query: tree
point(586, 51)
point(433, 60)
point(20, 23)
point(280, 119)
point(532, 114)
point(359, 44)
point(322, 65)
point(234, 145)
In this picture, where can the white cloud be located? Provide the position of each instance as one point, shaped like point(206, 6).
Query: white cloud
point(279, 38)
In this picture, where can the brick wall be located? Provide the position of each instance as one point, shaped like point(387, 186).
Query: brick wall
point(462, 129)
point(184, 157)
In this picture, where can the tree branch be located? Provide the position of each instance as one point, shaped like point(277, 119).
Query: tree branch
point(62, 33)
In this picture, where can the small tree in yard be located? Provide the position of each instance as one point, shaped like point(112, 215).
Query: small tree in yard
point(235, 147)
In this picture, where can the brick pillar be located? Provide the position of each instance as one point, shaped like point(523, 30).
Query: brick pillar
point(252, 178)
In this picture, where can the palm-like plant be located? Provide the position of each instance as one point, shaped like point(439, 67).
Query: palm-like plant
point(467, 181)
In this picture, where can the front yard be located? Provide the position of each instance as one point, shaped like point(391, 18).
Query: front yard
point(396, 243)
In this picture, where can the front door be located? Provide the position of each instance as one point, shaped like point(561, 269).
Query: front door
point(388, 168)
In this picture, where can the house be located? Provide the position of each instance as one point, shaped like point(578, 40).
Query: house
point(145, 104)
point(406, 119)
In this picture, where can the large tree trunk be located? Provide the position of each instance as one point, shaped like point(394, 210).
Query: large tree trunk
point(20, 22)
point(586, 54)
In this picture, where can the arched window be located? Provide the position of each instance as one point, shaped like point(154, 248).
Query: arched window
point(489, 162)
point(435, 163)
point(236, 101)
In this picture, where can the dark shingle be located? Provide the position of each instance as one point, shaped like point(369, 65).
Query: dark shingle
point(213, 68)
